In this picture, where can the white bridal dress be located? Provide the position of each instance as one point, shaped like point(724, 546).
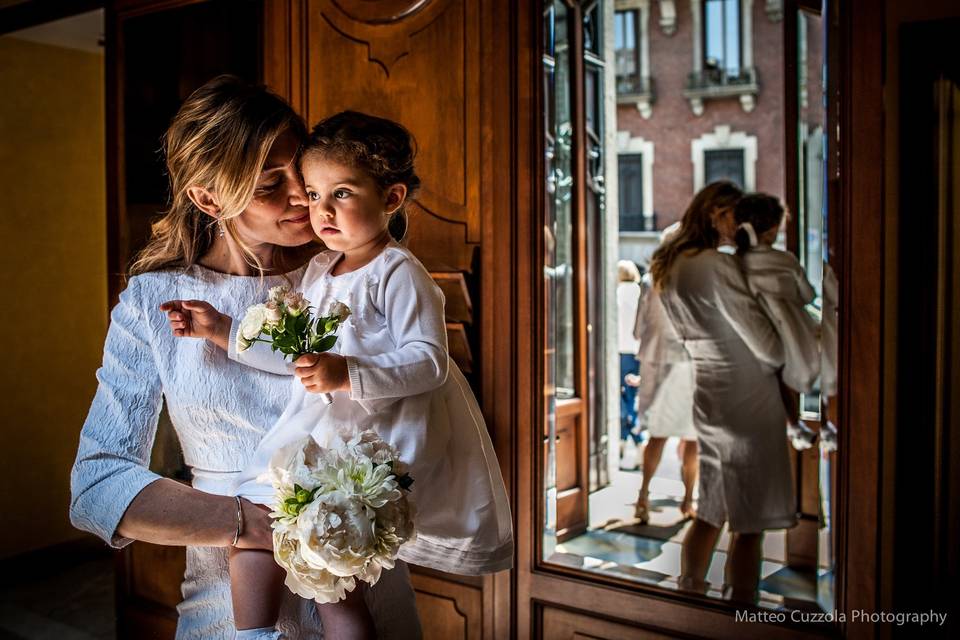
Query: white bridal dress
point(220, 410)
point(745, 474)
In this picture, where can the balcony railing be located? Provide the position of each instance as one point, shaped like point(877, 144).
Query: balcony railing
point(714, 82)
point(633, 85)
point(712, 78)
point(638, 222)
point(637, 89)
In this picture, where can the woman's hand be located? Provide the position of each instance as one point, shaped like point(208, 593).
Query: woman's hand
point(322, 372)
point(257, 533)
point(197, 319)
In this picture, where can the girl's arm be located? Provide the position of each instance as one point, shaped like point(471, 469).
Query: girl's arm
point(114, 495)
point(413, 306)
point(199, 319)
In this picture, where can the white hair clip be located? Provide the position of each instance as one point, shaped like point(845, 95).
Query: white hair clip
point(746, 226)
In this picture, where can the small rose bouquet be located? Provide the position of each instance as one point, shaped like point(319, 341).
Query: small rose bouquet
point(340, 513)
point(286, 323)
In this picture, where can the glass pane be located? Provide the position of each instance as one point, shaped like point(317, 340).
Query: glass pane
point(592, 28)
point(626, 51)
point(811, 227)
point(721, 24)
point(634, 521)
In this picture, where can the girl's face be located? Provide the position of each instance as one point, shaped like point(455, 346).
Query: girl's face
point(347, 209)
point(725, 224)
point(278, 213)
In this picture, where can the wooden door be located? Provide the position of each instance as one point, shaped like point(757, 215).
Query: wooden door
point(442, 68)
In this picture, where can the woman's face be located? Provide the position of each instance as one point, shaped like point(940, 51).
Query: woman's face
point(724, 223)
point(278, 213)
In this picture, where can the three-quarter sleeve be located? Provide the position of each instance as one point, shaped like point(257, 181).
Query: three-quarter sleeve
point(112, 464)
point(259, 355)
point(743, 312)
point(413, 307)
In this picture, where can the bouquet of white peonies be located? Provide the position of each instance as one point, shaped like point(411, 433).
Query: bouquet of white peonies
point(288, 325)
point(340, 513)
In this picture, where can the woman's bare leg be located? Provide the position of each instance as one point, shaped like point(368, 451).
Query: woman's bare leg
point(689, 472)
point(742, 572)
point(348, 619)
point(256, 586)
point(695, 557)
point(652, 452)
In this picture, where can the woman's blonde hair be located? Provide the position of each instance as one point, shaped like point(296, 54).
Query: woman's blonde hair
point(696, 231)
point(219, 139)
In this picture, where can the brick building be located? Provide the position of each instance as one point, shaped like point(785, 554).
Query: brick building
point(699, 97)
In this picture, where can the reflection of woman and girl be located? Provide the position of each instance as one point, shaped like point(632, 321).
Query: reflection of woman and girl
point(737, 345)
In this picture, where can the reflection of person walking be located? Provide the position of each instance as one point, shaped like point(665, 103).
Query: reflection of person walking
point(665, 395)
point(628, 297)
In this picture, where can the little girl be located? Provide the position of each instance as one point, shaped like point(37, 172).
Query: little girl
point(389, 371)
point(778, 281)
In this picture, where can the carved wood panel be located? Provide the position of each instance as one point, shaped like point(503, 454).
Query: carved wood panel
point(448, 610)
point(417, 62)
point(559, 624)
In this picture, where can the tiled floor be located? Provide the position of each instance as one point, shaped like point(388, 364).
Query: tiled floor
point(63, 595)
point(617, 544)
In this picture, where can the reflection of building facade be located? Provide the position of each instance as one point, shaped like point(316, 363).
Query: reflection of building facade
point(699, 98)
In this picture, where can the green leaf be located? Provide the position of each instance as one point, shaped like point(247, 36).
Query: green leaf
point(324, 344)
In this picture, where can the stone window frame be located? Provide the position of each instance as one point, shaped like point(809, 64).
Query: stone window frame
point(644, 98)
point(723, 137)
point(628, 144)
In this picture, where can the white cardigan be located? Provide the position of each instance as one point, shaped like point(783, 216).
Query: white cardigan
point(405, 387)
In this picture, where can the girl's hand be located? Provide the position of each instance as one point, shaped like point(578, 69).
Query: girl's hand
point(322, 372)
point(197, 319)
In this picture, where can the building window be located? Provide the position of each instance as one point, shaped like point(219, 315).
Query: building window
point(724, 164)
point(626, 51)
point(721, 35)
point(631, 193)
point(635, 183)
point(722, 54)
point(724, 154)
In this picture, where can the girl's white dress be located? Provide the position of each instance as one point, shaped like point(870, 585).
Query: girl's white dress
point(406, 388)
point(745, 473)
point(778, 281)
point(220, 410)
point(665, 396)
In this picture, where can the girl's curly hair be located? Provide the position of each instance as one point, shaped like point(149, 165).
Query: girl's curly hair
point(382, 148)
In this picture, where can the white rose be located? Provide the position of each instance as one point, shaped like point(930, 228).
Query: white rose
point(276, 294)
point(295, 303)
point(251, 326)
point(339, 310)
point(273, 313)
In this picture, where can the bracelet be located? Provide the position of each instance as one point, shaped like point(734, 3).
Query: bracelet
point(239, 532)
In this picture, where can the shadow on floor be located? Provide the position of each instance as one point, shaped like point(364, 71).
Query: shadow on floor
point(62, 593)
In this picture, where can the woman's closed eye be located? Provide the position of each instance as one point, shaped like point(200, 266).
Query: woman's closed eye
point(268, 187)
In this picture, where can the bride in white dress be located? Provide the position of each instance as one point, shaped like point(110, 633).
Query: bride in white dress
point(745, 475)
point(220, 409)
